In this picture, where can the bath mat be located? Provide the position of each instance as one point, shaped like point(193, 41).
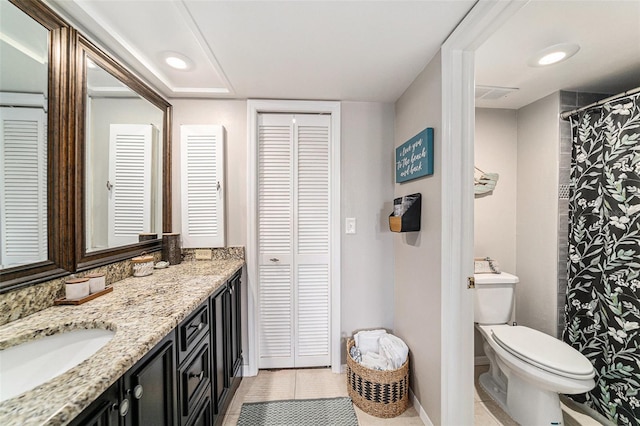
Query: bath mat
point(299, 412)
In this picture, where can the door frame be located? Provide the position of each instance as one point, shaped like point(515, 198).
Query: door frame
point(458, 129)
point(255, 107)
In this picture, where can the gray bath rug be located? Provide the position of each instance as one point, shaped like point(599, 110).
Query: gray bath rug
point(299, 412)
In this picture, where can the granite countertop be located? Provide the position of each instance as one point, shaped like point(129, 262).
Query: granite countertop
point(141, 311)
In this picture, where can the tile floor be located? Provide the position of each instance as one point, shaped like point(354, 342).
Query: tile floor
point(272, 385)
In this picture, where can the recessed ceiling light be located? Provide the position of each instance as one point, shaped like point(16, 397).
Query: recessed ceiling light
point(177, 61)
point(554, 54)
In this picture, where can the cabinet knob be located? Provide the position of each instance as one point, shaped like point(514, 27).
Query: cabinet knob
point(200, 375)
point(137, 392)
point(124, 407)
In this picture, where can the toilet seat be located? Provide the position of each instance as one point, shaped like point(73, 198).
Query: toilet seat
point(535, 347)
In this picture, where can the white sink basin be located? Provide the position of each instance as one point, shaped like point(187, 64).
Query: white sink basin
point(30, 364)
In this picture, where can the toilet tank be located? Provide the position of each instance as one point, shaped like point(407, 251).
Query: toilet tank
point(494, 298)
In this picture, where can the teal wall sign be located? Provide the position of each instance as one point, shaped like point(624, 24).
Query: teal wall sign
point(414, 158)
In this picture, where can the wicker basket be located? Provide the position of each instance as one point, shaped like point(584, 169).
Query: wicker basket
point(379, 393)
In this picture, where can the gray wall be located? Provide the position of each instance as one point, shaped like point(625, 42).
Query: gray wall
point(495, 151)
point(417, 254)
point(537, 214)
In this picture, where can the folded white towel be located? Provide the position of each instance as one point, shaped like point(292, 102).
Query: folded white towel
point(367, 340)
point(375, 361)
point(394, 349)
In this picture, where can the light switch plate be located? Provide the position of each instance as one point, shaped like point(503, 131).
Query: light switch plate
point(350, 225)
point(203, 254)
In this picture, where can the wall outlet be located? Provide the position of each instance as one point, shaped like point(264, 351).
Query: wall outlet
point(203, 254)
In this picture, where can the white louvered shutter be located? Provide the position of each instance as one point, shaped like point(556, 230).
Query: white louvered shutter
point(23, 186)
point(202, 172)
point(312, 235)
point(293, 240)
point(130, 164)
point(275, 240)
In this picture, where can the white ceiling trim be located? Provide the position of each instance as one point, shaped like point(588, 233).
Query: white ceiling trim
point(202, 42)
point(150, 65)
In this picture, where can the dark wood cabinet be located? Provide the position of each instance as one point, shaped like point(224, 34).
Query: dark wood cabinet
point(235, 330)
point(104, 411)
point(187, 379)
point(150, 386)
point(194, 369)
point(226, 341)
point(145, 395)
point(218, 344)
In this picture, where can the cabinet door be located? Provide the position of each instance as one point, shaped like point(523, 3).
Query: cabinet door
point(150, 386)
point(235, 329)
point(104, 411)
point(203, 416)
point(218, 337)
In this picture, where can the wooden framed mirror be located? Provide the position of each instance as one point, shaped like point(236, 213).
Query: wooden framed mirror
point(36, 145)
point(123, 175)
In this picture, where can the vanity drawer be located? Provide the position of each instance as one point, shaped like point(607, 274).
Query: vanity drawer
point(195, 379)
point(192, 330)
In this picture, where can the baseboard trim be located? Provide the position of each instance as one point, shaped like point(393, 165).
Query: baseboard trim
point(423, 414)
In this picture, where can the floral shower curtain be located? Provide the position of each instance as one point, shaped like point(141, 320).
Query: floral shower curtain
point(602, 310)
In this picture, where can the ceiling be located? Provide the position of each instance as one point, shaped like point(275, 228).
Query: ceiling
point(608, 61)
point(352, 50)
point(338, 50)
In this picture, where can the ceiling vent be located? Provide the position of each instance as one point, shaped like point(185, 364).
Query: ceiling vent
point(493, 92)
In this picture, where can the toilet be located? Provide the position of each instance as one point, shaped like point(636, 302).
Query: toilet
point(528, 368)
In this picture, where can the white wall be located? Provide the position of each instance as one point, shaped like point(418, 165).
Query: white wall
point(496, 141)
point(367, 184)
point(537, 214)
point(417, 254)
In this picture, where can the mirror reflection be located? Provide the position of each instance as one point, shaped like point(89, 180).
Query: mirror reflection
point(24, 46)
point(123, 168)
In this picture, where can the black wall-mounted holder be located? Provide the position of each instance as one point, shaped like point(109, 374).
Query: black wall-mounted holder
point(409, 220)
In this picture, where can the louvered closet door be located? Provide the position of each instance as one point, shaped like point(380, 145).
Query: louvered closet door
point(129, 182)
point(293, 240)
point(23, 186)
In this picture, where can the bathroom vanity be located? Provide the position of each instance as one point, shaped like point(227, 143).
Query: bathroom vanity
point(175, 358)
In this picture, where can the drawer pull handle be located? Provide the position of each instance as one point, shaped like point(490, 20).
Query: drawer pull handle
point(200, 375)
point(274, 259)
point(200, 326)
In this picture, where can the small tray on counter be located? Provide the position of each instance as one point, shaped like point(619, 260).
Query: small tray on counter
point(65, 301)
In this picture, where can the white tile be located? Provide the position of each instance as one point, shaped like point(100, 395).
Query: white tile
point(320, 383)
point(231, 419)
point(409, 418)
point(482, 417)
point(268, 385)
point(498, 414)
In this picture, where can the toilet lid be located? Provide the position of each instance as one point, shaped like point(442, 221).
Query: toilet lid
point(543, 351)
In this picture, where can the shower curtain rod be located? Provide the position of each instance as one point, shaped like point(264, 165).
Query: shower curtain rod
point(565, 115)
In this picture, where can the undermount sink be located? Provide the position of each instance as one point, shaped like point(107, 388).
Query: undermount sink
point(30, 364)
